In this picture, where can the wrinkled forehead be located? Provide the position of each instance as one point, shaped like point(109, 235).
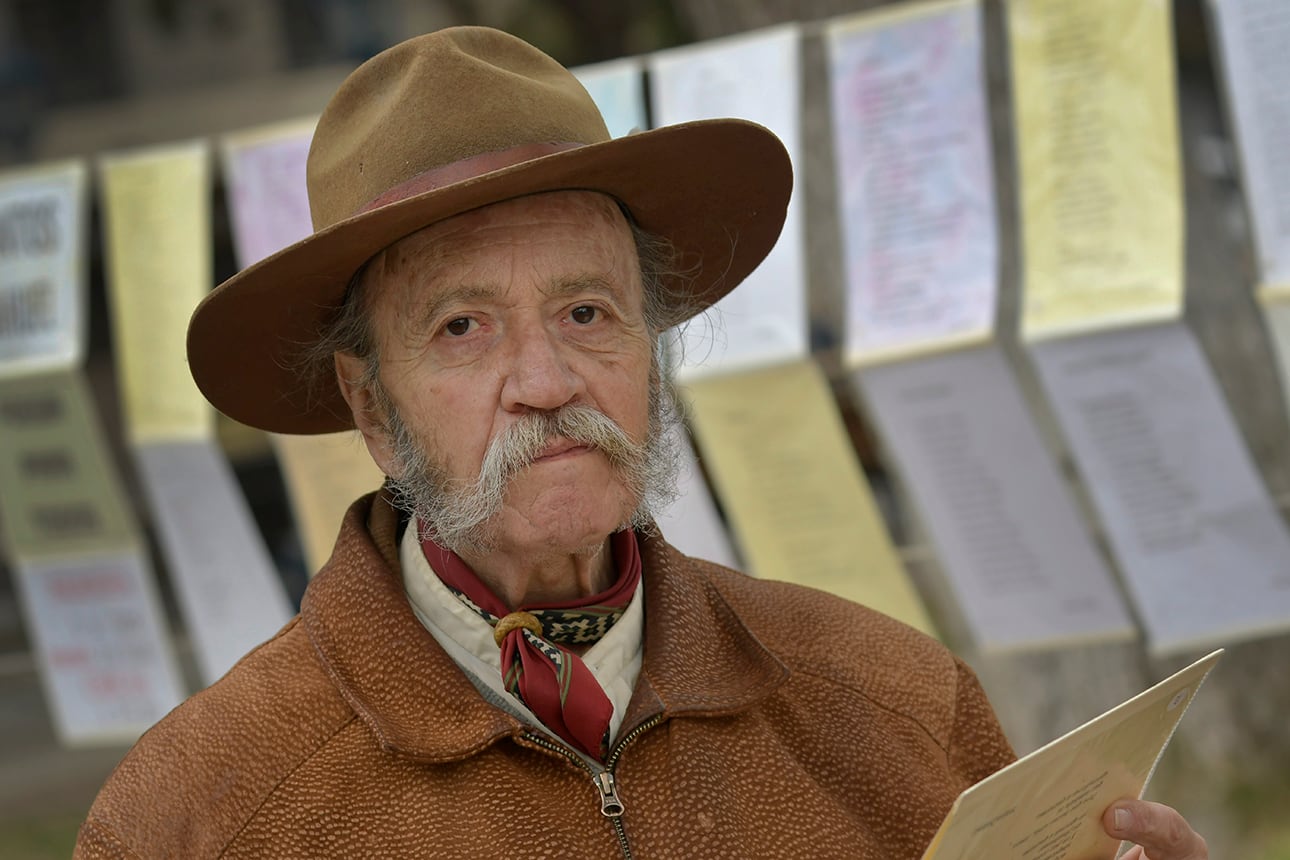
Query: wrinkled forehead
point(555, 235)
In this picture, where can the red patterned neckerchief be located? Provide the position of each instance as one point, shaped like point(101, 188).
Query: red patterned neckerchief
point(550, 680)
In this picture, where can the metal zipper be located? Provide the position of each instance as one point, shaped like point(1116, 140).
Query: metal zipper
point(611, 805)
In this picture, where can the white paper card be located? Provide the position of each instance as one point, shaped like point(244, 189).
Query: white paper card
point(1008, 534)
point(1253, 35)
point(691, 523)
point(230, 594)
point(95, 622)
point(912, 139)
point(42, 268)
point(754, 77)
point(618, 90)
point(1204, 551)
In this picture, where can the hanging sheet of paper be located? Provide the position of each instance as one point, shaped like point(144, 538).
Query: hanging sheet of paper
point(102, 652)
point(780, 459)
point(912, 138)
point(231, 596)
point(617, 87)
point(157, 223)
point(325, 475)
point(156, 218)
point(1098, 166)
point(42, 268)
point(1011, 540)
point(1252, 36)
point(691, 523)
point(1203, 549)
point(264, 173)
point(754, 77)
point(1049, 804)
point(82, 576)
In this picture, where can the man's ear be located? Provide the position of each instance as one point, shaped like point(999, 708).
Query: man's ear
point(364, 407)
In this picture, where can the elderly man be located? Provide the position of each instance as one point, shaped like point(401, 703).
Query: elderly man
point(502, 658)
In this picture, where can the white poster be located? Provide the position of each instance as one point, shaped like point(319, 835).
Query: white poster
point(912, 138)
point(1006, 531)
point(754, 77)
point(1253, 36)
point(42, 268)
point(618, 88)
point(1204, 551)
point(228, 588)
point(95, 623)
point(264, 173)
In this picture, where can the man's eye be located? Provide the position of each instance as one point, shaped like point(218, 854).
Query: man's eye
point(459, 326)
point(583, 314)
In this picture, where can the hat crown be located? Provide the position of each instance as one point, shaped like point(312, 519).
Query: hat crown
point(436, 100)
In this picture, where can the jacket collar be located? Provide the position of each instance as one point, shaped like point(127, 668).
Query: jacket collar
point(700, 660)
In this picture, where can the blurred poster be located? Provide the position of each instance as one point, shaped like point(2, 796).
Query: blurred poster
point(264, 173)
point(158, 233)
point(1098, 166)
point(787, 474)
point(691, 523)
point(912, 137)
point(618, 88)
point(1009, 537)
point(227, 586)
point(755, 77)
point(42, 267)
point(1276, 314)
point(1252, 38)
point(156, 220)
point(1203, 549)
point(99, 643)
point(81, 574)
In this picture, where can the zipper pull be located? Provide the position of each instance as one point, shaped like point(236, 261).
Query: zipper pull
point(610, 805)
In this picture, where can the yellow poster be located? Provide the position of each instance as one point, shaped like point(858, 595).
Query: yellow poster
point(156, 208)
point(1097, 154)
point(787, 475)
point(324, 475)
point(60, 490)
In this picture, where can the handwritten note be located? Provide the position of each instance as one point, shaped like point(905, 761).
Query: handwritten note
point(912, 138)
point(1252, 36)
point(1098, 164)
point(787, 475)
point(1007, 533)
point(156, 207)
point(1204, 551)
point(42, 268)
point(754, 77)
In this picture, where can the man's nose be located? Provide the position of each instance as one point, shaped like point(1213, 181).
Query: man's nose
point(539, 375)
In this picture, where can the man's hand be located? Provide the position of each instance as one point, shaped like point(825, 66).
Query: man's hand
point(1158, 832)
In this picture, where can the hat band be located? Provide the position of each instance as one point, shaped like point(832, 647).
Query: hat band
point(466, 168)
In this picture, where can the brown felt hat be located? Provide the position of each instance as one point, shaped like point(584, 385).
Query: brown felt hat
point(446, 123)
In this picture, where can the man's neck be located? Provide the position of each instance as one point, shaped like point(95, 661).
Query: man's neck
point(527, 577)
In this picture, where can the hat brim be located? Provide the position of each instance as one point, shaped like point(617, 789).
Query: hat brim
point(717, 189)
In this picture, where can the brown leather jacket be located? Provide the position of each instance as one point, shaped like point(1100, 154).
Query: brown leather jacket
point(769, 720)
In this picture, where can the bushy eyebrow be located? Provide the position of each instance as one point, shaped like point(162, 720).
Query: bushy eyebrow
point(575, 284)
point(422, 314)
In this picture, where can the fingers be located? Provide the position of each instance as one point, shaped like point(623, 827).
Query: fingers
point(1161, 831)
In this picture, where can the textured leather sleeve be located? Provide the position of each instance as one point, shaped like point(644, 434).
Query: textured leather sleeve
point(978, 746)
point(96, 842)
